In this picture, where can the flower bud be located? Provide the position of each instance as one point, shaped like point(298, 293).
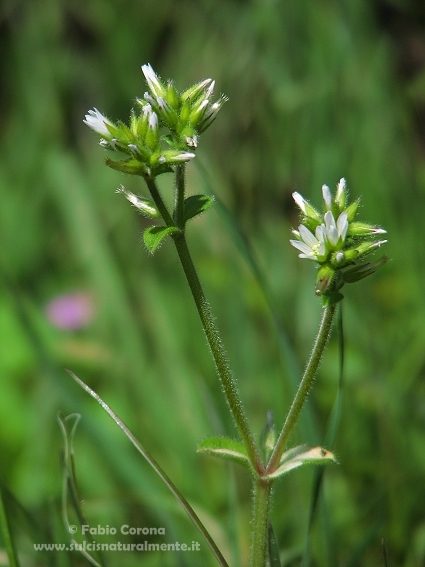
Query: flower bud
point(351, 210)
point(364, 229)
point(100, 124)
point(154, 84)
point(197, 112)
point(211, 114)
point(341, 195)
point(191, 94)
point(324, 278)
point(145, 206)
point(166, 113)
point(185, 112)
point(174, 156)
point(152, 135)
point(362, 249)
point(327, 197)
point(172, 96)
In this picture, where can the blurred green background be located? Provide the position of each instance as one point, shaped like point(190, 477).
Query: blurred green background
point(317, 91)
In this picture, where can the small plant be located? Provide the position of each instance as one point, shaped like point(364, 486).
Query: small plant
point(162, 137)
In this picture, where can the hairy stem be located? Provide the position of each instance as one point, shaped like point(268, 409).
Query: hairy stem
point(217, 351)
point(260, 522)
point(179, 196)
point(207, 319)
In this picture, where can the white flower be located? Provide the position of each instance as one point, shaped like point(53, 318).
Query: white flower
point(152, 79)
point(311, 247)
point(97, 122)
point(147, 109)
point(335, 232)
point(153, 121)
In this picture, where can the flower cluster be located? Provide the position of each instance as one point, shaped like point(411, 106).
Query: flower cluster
point(185, 115)
point(334, 239)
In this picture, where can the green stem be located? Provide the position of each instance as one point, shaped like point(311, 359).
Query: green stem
point(156, 196)
point(304, 387)
point(260, 522)
point(217, 350)
point(179, 196)
point(207, 320)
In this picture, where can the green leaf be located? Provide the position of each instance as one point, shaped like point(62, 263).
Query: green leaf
point(225, 448)
point(195, 205)
point(154, 235)
point(299, 457)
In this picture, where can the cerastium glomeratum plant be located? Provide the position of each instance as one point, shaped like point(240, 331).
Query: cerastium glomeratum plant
point(162, 137)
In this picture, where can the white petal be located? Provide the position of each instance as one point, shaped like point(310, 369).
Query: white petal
point(153, 121)
point(321, 233)
point(147, 109)
point(329, 221)
point(340, 189)
point(342, 225)
point(307, 236)
point(327, 197)
point(148, 98)
point(184, 156)
point(333, 235)
point(322, 249)
point(97, 122)
point(306, 250)
point(152, 79)
point(300, 201)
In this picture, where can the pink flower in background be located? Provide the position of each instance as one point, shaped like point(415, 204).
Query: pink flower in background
point(71, 311)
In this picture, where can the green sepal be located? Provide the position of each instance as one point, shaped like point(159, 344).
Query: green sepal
point(351, 210)
point(324, 278)
point(300, 456)
point(195, 205)
point(225, 448)
point(132, 166)
point(331, 298)
point(154, 235)
point(357, 273)
point(136, 167)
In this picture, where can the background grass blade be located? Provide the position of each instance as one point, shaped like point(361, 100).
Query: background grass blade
point(162, 475)
point(6, 533)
